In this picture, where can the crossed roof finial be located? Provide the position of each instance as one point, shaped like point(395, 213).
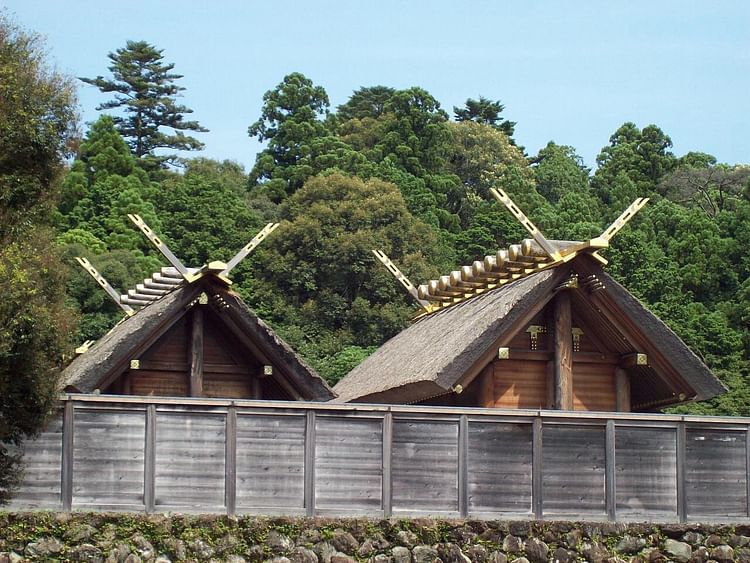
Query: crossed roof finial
point(519, 260)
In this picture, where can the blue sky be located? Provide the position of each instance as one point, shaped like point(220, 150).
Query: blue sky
point(571, 72)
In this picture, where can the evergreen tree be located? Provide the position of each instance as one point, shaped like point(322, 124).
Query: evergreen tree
point(144, 87)
point(486, 112)
point(37, 121)
point(290, 122)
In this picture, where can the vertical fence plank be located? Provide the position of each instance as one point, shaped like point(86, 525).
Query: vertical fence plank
point(747, 468)
point(310, 464)
point(682, 508)
point(230, 462)
point(387, 464)
point(463, 466)
point(149, 460)
point(66, 472)
point(610, 484)
point(536, 468)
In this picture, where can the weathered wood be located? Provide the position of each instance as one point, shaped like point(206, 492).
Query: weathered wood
point(190, 454)
point(348, 463)
point(682, 508)
point(463, 466)
point(270, 461)
point(66, 473)
point(149, 460)
point(425, 458)
point(255, 384)
point(715, 473)
point(537, 468)
point(550, 384)
point(622, 383)
point(387, 499)
point(310, 463)
point(42, 475)
point(610, 482)
point(230, 462)
point(646, 472)
point(478, 463)
point(196, 353)
point(747, 468)
point(573, 471)
point(563, 346)
point(108, 458)
point(499, 467)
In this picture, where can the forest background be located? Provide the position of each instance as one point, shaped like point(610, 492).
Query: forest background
point(389, 168)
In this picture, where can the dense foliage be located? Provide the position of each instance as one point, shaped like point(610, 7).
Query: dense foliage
point(387, 169)
point(37, 120)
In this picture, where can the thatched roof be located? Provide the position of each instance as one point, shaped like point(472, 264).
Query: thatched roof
point(129, 339)
point(430, 357)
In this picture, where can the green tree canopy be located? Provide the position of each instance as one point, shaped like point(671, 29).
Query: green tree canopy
point(486, 112)
point(317, 276)
point(641, 157)
point(290, 121)
point(37, 121)
point(144, 87)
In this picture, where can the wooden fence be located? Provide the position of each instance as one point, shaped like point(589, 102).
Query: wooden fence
point(239, 457)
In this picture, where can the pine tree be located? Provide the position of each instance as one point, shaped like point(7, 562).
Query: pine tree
point(144, 87)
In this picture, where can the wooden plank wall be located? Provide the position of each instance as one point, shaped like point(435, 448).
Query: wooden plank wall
point(326, 459)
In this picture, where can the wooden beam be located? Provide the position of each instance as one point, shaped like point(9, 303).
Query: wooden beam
point(622, 385)
point(196, 353)
point(563, 362)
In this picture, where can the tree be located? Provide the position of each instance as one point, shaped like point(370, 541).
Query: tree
point(486, 112)
point(144, 87)
point(317, 280)
point(37, 124)
point(483, 158)
point(366, 102)
point(642, 156)
point(203, 215)
point(290, 122)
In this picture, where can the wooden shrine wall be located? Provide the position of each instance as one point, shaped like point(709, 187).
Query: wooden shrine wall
point(229, 370)
point(124, 454)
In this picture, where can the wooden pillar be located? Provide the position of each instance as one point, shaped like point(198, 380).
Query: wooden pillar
point(487, 387)
point(563, 362)
point(550, 385)
point(196, 353)
point(622, 386)
point(256, 391)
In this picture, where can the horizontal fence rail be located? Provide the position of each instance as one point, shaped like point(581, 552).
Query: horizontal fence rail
point(292, 458)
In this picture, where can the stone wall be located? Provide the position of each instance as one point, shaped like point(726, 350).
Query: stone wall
point(128, 538)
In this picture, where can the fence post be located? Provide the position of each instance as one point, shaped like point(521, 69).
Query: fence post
point(66, 473)
point(149, 460)
point(387, 464)
point(463, 466)
point(682, 508)
point(536, 468)
point(310, 463)
point(230, 461)
point(747, 468)
point(610, 483)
